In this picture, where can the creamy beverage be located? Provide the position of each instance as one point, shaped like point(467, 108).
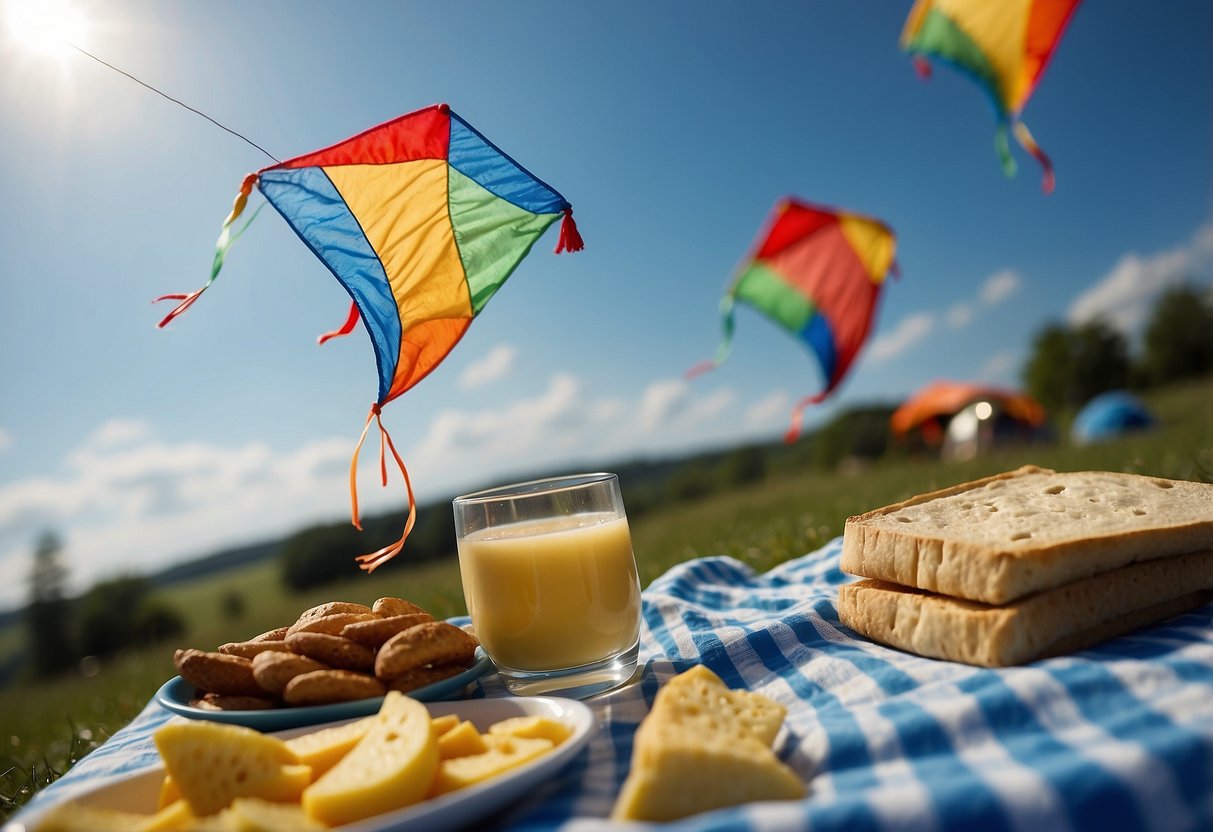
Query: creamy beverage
point(552, 592)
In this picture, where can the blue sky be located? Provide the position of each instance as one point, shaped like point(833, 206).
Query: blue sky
point(671, 127)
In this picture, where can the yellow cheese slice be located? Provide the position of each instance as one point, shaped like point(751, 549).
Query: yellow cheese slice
point(391, 767)
point(213, 763)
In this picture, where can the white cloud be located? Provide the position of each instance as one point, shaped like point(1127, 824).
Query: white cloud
point(960, 314)
point(770, 411)
point(144, 503)
point(6, 439)
point(125, 500)
point(999, 286)
point(1125, 295)
point(117, 432)
point(662, 401)
point(998, 368)
point(526, 429)
point(498, 364)
point(908, 332)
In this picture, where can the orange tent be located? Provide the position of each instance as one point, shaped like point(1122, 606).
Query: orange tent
point(941, 399)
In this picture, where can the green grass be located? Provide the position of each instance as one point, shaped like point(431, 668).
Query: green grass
point(44, 725)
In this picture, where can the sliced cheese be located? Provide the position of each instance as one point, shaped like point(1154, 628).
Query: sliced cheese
point(391, 767)
point(211, 764)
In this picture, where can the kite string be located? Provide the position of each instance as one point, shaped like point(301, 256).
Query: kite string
point(244, 138)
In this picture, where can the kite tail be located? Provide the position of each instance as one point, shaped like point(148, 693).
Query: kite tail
point(798, 415)
point(726, 343)
point(1003, 148)
point(346, 328)
point(226, 240)
point(370, 562)
point(922, 66)
point(570, 237)
point(1024, 137)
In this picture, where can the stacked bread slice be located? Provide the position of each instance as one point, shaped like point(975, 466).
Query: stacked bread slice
point(1027, 564)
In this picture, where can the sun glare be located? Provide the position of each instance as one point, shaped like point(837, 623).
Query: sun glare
point(49, 27)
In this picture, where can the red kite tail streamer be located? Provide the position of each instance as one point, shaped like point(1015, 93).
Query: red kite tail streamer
point(922, 66)
point(346, 328)
point(226, 240)
point(570, 237)
point(798, 416)
point(370, 562)
point(1024, 137)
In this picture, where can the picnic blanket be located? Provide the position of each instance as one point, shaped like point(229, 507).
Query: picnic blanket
point(1117, 737)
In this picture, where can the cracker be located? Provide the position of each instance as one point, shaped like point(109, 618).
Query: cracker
point(432, 643)
point(335, 651)
point(324, 687)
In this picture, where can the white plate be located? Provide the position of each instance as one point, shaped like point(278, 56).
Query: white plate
point(140, 790)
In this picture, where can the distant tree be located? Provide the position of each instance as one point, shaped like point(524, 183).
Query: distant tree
point(1100, 361)
point(122, 612)
point(690, 481)
point(861, 432)
point(1178, 340)
point(320, 555)
point(743, 466)
point(156, 622)
point(232, 605)
point(1069, 365)
point(48, 616)
point(1047, 373)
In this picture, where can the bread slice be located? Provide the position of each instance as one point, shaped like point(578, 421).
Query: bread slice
point(1008, 536)
point(1056, 621)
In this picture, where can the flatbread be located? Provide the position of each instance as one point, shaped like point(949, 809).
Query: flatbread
point(1009, 536)
point(1065, 619)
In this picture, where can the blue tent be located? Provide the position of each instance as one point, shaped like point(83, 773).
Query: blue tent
point(1109, 415)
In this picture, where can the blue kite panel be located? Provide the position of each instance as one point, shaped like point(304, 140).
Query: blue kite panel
point(478, 159)
point(309, 202)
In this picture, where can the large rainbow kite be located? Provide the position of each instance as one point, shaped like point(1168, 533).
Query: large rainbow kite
point(1004, 45)
point(817, 272)
point(421, 220)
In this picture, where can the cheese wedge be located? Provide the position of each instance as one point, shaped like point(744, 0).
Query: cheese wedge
point(704, 746)
point(322, 749)
point(532, 727)
point(212, 764)
point(461, 741)
point(504, 753)
point(248, 814)
point(391, 767)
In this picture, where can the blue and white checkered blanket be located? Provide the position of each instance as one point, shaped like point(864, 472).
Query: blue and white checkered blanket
point(1117, 737)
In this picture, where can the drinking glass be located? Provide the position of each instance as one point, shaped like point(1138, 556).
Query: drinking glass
point(550, 582)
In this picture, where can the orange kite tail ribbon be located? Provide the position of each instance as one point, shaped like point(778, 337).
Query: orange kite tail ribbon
point(345, 329)
point(370, 562)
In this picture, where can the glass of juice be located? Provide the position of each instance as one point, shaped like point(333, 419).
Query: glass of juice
point(550, 582)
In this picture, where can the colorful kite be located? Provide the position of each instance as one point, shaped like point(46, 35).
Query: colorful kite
point(421, 219)
point(1004, 46)
point(816, 272)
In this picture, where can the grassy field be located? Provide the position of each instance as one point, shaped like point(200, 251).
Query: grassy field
point(45, 725)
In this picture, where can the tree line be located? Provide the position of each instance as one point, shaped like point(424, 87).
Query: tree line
point(1070, 364)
